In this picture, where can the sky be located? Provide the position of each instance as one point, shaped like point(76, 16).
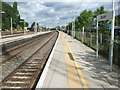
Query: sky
point(50, 13)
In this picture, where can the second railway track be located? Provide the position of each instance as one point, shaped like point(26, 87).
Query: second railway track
point(13, 57)
point(27, 74)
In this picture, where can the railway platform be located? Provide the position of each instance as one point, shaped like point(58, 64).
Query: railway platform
point(12, 38)
point(74, 65)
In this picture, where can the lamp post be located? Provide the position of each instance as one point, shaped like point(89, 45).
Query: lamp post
point(103, 17)
point(36, 27)
point(74, 22)
point(1, 23)
point(97, 46)
point(83, 34)
point(72, 29)
point(23, 25)
point(11, 26)
point(112, 37)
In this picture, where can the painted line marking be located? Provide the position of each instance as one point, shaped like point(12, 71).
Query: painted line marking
point(78, 68)
point(72, 75)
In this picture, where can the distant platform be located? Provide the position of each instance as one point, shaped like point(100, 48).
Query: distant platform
point(20, 37)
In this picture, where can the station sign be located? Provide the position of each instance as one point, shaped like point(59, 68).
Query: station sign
point(105, 16)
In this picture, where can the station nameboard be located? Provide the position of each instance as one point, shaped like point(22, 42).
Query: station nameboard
point(105, 16)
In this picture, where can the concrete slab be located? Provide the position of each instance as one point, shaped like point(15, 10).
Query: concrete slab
point(91, 72)
point(96, 72)
point(56, 75)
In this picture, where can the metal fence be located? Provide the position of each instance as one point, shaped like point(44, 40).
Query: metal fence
point(89, 38)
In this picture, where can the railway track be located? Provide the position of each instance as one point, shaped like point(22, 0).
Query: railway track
point(13, 57)
point(27, 74)
point(20, 48)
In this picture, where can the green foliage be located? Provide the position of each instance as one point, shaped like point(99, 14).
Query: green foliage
point(99, 11)
point(15, 8)
point(82, 20)
point(37, 25)
point(117, 20)
point(70, 26)
point(103, 25)
point(87, 17)
point(33, 25)
point(26, 24)
point(16, 18)
point(11, 12)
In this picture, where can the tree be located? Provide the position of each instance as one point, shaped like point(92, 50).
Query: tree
point(37, 24)
point(103, 25)
point(11, 12)
point(69, 26)
point(15, 7)
point(84, 19)
point(99, 11)
point(26, 24)
point(117, 20)
point(33, 25)
point(16, 18)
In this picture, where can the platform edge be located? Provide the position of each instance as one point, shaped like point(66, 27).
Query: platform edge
point(43, 75)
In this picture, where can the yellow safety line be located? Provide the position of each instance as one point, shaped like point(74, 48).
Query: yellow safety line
point(78, 68)
point(72, 75)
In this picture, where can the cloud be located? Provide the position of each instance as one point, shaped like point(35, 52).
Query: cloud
point(45, 12)
point(52, 14)
point(60, 0)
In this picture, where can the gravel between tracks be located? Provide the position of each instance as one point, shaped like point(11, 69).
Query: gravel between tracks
point(23, 53)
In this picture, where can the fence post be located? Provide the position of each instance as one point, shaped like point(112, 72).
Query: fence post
point(83, 35)
point(11, 25)
point(79, 35)
point(97, 41)
point(90, 39)
point(100, 38)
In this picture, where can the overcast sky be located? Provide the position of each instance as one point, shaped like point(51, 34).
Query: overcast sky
point(51, 13)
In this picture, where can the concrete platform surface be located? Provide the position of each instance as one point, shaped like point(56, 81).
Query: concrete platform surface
point(11, 39)
point(73, 65)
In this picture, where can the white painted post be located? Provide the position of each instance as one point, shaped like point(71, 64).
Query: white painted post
point(1, 12)
point(112, 39)
point(65, 29)
point(72, 28)
point(97, 41)
point(101, 38)
point(68, 29)
point(74, 22)
point(24, 26)
point(0, 32)
point(90, 39)
point(35, 27)
point(83, 34)
point(0, 29)
point(11, 26)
